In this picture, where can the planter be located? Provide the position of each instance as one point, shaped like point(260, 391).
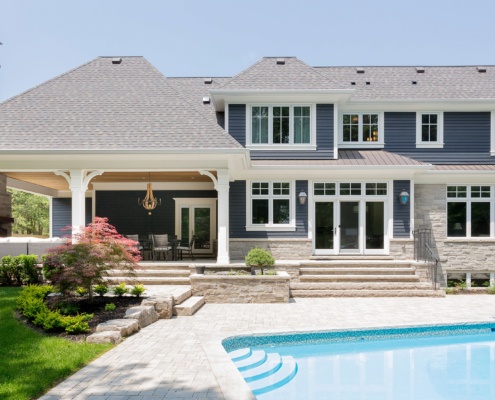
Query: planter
point(200, 269)
point(242, 288)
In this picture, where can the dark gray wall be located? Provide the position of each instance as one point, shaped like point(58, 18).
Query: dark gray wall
point(324, 135)
point(123, 211)
point(62, 215)
point(237, 208)
point(402, 212)
point(466, 138)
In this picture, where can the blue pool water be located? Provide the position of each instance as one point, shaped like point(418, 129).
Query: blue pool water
point(426, 362)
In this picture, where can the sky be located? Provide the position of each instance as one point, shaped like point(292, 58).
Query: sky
point(42, 39)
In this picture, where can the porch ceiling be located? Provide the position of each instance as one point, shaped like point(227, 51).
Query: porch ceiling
point(52, 181)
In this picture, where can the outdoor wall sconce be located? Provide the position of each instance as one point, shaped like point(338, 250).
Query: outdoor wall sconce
point(302, 197)
point(403, 197)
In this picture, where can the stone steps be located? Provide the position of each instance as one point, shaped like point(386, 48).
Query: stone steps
point(189, 306)
point(357, 271)
point(360, 286)
point(359, 278)
point(147, 273)
point(149, 280)
point(368, 293)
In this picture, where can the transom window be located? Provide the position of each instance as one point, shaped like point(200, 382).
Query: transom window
point(350, 188)
point(271, 204)
point(470, 211)
point(429, 129)
point(281, 125)
point(361, 129)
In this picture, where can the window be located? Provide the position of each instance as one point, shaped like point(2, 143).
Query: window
point(349, 189)
point(429, 129)
point(270, 205)
point(361, 129)
point(281, 125)
point(469, 211)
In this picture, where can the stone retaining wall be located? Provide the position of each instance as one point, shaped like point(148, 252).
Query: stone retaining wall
point(242, 288)
point(281, 249)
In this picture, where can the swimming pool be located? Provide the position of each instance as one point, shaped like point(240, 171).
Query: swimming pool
point(422, 362)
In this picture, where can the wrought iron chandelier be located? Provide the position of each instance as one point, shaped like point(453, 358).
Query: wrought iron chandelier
point(149, 202)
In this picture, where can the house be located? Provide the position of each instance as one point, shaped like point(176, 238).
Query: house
point(307, 161)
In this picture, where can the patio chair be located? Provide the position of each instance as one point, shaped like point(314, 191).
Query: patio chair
point(136, 239)
point(186, 247)
point(160, 245)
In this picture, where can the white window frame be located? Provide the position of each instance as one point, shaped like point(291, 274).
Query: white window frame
point(361, 143)
point(438, 144)
point(270, 226)
point(469, 200)
point(281, 146)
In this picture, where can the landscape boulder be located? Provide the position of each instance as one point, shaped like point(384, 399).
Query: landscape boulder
point(145, 315)
point(163, 305)
point(125, 327)
point(105, 337)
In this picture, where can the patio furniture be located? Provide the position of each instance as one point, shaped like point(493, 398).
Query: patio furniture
point(160, 244)
point(138, 244)
point(186, 247)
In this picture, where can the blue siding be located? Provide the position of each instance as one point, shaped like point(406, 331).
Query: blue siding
point(466, 138)
point(237, 210)
point(62, 215)
point(237, 122)
point(123, 211)
point(402, 212)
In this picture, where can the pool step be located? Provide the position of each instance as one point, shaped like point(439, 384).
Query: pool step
point(264, 372)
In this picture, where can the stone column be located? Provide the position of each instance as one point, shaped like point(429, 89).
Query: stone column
point(78, 180)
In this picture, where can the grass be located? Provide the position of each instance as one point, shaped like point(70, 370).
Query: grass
point(32, 363)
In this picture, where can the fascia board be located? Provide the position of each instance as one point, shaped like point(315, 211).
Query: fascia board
point(420, 105)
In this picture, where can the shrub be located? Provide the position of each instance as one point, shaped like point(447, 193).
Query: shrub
point(68, 308)
point(101, 289)
point(491, 290)
point(260, 258)
point(18, 270)
point(85, 261)
point(138, 290)
point(110, 307)
point(120, 289)
point(82, 291)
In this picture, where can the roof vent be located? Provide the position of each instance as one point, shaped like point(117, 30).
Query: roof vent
point(353, 83)
point(116, 60)
point(360, 70)
point(481, 69)
point(280, 61)
point(206, 100)
point(208, 81)
point(420, 70)
point(414, 82)
point(368, 82)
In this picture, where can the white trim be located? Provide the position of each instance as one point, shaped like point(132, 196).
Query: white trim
point(269, 227)
point(411, 205)
point(50, 217)
point(226, 118)
point(336, 131)
point(492, 133)
point(156, 185)
point(361, 143)
point(281, 146)
point(438, 144)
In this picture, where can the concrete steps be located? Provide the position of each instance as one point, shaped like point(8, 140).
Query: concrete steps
point(156, 273)
point(358, 278)
point(368, 293)
point(360, 286)
point(189, 306)
point(357, 271)
point(149, 280)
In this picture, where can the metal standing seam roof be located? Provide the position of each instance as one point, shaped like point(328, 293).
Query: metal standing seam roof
point(105, 106)
point(477, 167)
point(350, 158)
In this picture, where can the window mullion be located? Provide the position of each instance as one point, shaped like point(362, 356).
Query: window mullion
point(270, 124)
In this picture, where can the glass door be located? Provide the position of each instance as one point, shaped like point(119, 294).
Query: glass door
point(375, 226)
point(324, 227)
point(349, 227)
point(196, 220)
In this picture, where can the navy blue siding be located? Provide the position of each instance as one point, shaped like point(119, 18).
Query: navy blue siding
point(237, 209)
point(62, 215)
point(466, 138)
point(237, 122)
point(123, 211)
point(402, 212)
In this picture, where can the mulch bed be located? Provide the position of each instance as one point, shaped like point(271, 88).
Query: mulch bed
point(97, 308)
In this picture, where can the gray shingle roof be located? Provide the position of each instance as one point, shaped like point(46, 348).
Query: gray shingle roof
point(267, 74)
point(106, 106)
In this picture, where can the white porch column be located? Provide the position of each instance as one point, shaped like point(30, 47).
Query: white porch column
point(78, 180)
point(221, 184)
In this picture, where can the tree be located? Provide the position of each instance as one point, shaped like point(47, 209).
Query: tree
point(30, 213)
point(85, 260)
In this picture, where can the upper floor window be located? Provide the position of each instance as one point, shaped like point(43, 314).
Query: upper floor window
point(281, 125)
point(429, 129)
point(361, 130)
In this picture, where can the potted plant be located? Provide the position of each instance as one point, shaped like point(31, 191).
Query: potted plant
point(259, 258)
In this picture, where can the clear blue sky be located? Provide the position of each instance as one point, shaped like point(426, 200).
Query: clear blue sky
point(42, 39)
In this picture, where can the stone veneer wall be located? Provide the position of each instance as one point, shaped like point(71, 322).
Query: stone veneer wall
point(5, 203)
point(281, 249)
point(242, 289)
point(456, 254)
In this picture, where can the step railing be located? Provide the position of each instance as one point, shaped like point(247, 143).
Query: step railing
point(424, 252)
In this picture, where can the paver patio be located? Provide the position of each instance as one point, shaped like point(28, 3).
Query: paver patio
point(183, 357)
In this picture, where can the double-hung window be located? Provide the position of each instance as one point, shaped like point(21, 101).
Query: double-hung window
point(470, 211)
point(281, 125)
point(270, 205)
point(429, 129)
point(361, 130)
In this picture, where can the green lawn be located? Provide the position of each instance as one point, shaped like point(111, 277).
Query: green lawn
point(31, 363)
